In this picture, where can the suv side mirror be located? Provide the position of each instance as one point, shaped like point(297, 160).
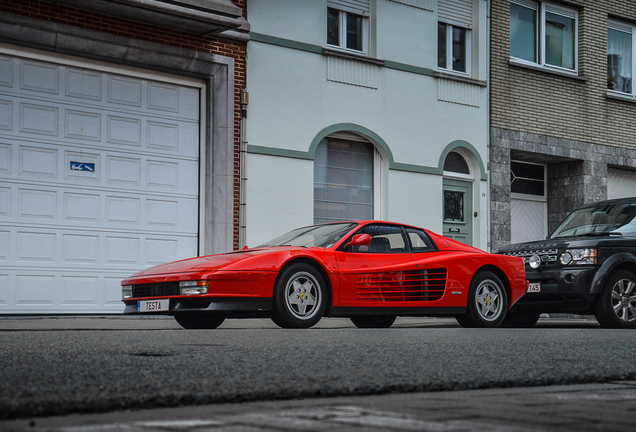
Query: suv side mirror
point(359, 240)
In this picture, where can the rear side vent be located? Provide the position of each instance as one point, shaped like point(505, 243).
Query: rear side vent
point(411, 285)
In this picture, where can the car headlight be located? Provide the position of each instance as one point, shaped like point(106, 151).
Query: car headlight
point(578, 256)
point(534, 261)
point(194, 287)
point(126, 292)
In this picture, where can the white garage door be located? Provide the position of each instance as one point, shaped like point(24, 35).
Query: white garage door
point(527, 220)
point(621, 184)
point(99, 177)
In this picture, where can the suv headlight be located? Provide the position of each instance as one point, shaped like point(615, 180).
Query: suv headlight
point(126, 292)
point(194, 287)
point(578, 256)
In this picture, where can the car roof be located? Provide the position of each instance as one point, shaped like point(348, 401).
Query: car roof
point(627, 200)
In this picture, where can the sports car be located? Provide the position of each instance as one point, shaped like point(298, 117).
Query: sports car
point(368, 271)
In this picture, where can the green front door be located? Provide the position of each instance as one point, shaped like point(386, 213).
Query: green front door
point(458, 210)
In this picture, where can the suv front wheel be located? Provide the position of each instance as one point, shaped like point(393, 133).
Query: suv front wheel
point(615, 307)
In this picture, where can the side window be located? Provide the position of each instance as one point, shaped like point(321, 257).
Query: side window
point(544, 34)
point(384, 239)
point(348, 25)
point(454, 37)
point(420, 242)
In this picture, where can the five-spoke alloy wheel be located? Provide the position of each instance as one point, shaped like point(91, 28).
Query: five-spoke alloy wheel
point(487, 302)
point(615, 306)
point(300, 297)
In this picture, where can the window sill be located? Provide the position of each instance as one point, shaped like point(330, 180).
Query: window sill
point(620, 97)
point(549, 71)
point(352, 56)
point(460, 78)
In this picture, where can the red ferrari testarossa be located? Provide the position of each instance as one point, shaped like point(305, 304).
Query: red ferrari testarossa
point(369, 271)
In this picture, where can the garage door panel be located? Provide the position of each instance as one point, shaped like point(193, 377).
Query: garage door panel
point(32, 289)
point(83, 84)
point(80, 290)
point(39, 119)
point(124, 91)
point(5, 202)
point(82, 125)
point(4, 245)
point(99, 178)
point(6, 71)
point(38, 162)
point(621, 184)
point(6, 114)
point(39, 77)
point(36, 246)
point(33, 203)
point(80, 248)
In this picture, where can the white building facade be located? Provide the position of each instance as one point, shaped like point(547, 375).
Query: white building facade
point(367, 109)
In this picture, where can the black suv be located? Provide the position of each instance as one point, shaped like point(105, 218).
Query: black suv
point(586, 266)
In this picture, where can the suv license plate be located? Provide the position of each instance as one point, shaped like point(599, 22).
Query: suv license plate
point(153, 305)
point(534, 287)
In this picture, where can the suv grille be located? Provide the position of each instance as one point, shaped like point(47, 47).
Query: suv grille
point(548, 256)
point(160, 289)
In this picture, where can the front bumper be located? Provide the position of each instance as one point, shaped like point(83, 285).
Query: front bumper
point(565, 289)
point(233, 307)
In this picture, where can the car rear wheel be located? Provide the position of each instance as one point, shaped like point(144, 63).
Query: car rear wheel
point(199, 320)
point(487, 302)
point(300, 297)
point(520, 319)
point(381, 321)
point(615, 306)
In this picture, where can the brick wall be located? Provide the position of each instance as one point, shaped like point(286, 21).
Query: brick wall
point(137, 30)
point(532, 101)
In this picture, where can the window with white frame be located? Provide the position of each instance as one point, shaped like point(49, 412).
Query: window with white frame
point(544, 34)
point(454, 35)
point(343, 180)
point(620, 57)
point(348, 24)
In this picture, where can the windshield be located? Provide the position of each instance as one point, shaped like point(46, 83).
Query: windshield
point(313, 236)
point(598, 220)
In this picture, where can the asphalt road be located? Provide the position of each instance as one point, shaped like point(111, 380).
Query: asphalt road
point(51, 368)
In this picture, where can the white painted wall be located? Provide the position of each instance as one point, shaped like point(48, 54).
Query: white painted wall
point(414, 199)
point(291, 101)
point(279, 196)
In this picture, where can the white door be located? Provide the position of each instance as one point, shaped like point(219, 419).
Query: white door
point(99, 177)
point(527, 220)
point(528, 212)
point(620, 184)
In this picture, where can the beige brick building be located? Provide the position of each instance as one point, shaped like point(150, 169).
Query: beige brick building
point(563, 111)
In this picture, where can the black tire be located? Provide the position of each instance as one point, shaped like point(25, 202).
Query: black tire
point(380, 321)
point(615, 306)
point(300, 297)
point(487, 302)
point(199, 320)
point(520, 319)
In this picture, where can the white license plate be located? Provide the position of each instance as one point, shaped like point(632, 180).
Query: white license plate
point(534, 286)
point(153, 305)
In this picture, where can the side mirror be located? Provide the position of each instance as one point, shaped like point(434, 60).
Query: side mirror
point(359, 240)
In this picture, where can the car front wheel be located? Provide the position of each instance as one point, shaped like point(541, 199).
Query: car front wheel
point(199, 320)
point(615, 306)
point(487, 302)
point(384, 321)
point(300, 298)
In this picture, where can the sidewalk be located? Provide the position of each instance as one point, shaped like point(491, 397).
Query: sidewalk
point(576, 408)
